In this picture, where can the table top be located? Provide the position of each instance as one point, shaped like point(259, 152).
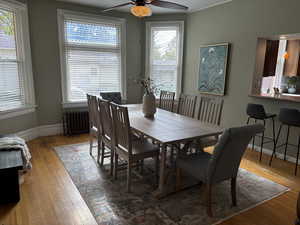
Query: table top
point(167, 127)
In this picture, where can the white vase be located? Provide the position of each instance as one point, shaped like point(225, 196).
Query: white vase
point(149, 105)
point(292, 90)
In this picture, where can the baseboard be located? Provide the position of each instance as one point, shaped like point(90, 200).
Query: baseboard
point(40, 131)
point(269, 152)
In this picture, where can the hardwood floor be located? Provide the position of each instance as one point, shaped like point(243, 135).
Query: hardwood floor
point(49, 196)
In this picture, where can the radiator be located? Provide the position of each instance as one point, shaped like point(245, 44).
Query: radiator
point(75, 122)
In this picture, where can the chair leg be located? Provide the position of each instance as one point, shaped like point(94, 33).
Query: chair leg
point(233, 191)
point(112, 154)
point(102, 156)
point(297, 159)
point(157, 169)
point(129, 176)
point(91, 145)
point(276, 141)
point(209, 200)
point(253, 141)
point(116, 158)
point(178, 179)
point(286, 143)
point(262, 142)
point(142, 166)
point(99, 148)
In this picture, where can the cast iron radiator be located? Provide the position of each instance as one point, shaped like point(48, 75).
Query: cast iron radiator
point(75, 122)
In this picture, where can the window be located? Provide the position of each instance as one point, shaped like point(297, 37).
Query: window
point(16, 83)
point(92, 53)
point(164, 54)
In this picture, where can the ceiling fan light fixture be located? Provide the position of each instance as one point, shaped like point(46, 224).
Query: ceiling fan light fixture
point(141, 11)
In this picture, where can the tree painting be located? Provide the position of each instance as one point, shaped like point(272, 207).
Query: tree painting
point(212, 71)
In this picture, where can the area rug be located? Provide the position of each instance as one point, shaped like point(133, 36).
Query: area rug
point(112, 205)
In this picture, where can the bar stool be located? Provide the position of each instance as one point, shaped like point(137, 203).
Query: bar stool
point(257, 112)
point(289, 118)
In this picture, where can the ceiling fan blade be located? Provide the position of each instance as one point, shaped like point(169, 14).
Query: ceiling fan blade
point(117, 6)
point(170, 5)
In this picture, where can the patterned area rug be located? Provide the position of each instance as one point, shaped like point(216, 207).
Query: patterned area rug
point(111, 205)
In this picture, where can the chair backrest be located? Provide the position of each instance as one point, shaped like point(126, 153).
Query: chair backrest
point(229, 151)
point(105, 119)
point(256, 111)
point(121, 128)
point(115, 97)
point(92, 109)
point(289, 117)
point(166, 100)
point(210, 110)
point(186, 105)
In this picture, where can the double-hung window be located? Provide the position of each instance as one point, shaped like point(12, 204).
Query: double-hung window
point(16, 83)
point(164, 54)
point(92, 55)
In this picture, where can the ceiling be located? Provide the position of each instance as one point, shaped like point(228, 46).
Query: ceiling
point(194, 5)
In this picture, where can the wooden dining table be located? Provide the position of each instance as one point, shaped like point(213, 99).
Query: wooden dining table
point(167, 128)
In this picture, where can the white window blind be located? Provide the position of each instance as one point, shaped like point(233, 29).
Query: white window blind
point(165, 55)
point(93, 58)
point(12, 93)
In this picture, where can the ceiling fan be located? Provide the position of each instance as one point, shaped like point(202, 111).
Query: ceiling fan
point(140, 8)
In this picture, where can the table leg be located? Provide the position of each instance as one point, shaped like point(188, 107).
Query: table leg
point(160, 191)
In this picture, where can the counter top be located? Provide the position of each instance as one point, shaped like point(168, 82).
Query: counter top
point(279, 97)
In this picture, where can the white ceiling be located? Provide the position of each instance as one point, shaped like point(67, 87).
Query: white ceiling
point(194, 5)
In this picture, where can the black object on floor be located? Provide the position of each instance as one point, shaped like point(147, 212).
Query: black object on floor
point(10, 163)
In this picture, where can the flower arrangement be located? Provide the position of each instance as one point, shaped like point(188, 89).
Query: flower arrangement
point(148, 86)
point(292, 81)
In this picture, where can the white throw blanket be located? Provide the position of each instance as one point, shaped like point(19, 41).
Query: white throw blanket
point(11, 143)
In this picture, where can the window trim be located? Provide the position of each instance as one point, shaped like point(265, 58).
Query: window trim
point(180, 24)
point(68, 14)
point(24, 52)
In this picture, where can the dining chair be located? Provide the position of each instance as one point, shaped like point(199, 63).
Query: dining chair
point(166, 100)
point(131, 151)
point(223, 164)
point(106, 132)
point(186, 105)
point(115, 97)
point(94, 125)
point(210, 112)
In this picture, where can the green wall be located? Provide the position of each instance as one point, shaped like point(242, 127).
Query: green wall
point(240, 23)
point(46, 64)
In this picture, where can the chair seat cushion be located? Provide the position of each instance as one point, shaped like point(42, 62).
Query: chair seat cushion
point(270, 115)
point(142, 146)
point(205, 142)
point(196, 165)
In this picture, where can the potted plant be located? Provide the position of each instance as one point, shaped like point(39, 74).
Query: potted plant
point(149, 101)
point(292, 81)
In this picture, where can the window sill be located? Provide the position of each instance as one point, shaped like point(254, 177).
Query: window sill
point(16, 112)
point(74, 104)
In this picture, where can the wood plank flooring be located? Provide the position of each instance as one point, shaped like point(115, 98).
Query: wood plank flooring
point(49, 196)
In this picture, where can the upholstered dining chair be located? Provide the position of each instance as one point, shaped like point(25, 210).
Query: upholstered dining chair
point(186, 105)
point(223, 164)
point(94, 124)
point(106, 132)
point(166, 100)
point(115, 97)
point(132, 151)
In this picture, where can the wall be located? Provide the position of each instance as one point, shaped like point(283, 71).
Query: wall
point(240, 23)
point(46, 64)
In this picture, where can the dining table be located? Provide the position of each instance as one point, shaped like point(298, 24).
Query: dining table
point(165, 129)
